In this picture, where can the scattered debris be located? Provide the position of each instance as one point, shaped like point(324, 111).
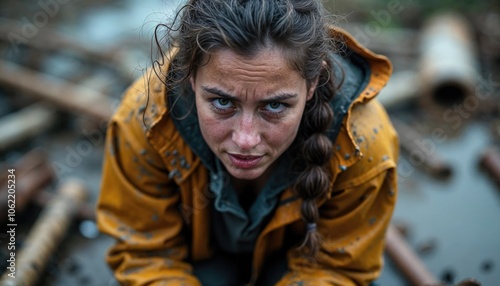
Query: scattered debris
point(406, 260)
point(44, 237)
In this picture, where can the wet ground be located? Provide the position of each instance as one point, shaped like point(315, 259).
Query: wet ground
point(453, 224)
point(458, 218)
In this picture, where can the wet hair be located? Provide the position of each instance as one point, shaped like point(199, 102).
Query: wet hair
point(300, 29)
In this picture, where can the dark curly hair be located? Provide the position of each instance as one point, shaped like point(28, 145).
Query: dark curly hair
point(301, 30)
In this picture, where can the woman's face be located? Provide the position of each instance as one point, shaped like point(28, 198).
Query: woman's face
point(249, 109)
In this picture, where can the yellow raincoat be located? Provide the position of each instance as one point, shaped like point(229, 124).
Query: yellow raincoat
point(155, 198)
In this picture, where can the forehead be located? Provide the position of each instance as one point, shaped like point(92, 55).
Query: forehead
point(269, 66)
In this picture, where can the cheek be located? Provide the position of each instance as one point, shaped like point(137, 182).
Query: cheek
point(213, 130)
point(282, 135)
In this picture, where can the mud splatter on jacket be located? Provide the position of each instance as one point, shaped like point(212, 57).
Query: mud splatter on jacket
point(155, 197)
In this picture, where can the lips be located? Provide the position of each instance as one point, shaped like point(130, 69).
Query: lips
point(245, 161)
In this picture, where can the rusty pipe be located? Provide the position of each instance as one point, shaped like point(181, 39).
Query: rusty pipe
point(406, 260)
point(33, 173)
point(448, 62)
point(46, 234)
point(422, 153)
point(36, 174)
point(62, 94)
point(490, 162)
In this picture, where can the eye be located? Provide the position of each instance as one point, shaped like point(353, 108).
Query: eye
point(275, 107)
point(221, 103)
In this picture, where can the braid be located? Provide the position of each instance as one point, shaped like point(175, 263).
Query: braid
point(315, 150)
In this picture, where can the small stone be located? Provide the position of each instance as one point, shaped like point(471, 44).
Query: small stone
point(402, 228)
point(487, 266)
point(427, 247)
point(448, 276)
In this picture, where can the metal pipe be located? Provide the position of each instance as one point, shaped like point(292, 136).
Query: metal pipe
point(406, 260)
point(65, 95)
point(420, 151)
point(448, 64)
point(46, 234)
point(24, 124)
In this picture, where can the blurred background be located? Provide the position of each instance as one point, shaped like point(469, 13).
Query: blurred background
point(65, 63)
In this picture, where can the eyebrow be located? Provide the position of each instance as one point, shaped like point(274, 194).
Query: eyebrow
point(274, 98)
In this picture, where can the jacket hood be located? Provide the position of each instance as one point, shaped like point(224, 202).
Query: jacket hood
point(360, 73)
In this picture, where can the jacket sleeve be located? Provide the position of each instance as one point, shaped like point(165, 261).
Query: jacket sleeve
point(352, 224)
point(138, 207)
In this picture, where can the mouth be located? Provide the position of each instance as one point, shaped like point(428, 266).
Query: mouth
point(245, 161)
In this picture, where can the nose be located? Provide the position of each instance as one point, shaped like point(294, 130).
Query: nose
point(246, 135)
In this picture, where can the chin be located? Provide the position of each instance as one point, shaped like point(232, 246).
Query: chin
point(245, 174)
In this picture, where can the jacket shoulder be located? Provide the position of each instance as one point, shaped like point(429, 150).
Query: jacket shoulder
point(369, 128)
point(144, 97)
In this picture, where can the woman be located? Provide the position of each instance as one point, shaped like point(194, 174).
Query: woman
point(253, 152)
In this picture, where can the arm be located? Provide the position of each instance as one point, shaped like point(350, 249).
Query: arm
point(138, 206)
point(353, 224)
